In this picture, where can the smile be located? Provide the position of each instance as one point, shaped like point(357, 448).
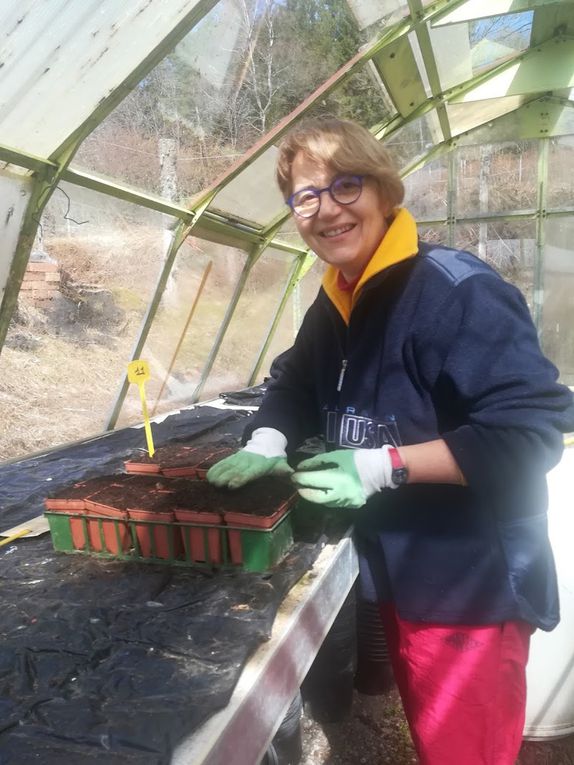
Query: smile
point(337, 231)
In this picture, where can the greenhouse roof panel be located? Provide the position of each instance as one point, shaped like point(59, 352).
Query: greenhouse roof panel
point(253, 195)
point(60, 59)
point(478, 9)
point(465, 117)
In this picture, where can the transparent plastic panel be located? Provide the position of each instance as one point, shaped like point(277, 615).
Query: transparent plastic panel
point(250, 324)
point(253, 195)
point(69, 344)
point(222, 88)
point(463, 117)
point(433, 234)
point(496, 179)
point(189, 316)
point(362, 98)
point(301, 298)
point(471, 48)
point(508, 246)
point(14, 195)
point(369, 12)
point(60, 59)
point(426, 190)
point(411, 142)
point(560, 186)
point(557, 330)
point(288, 233)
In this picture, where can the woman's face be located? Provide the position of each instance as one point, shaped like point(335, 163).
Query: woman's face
point(345, 236)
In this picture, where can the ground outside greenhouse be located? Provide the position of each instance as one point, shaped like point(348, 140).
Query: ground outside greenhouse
point(376, 733)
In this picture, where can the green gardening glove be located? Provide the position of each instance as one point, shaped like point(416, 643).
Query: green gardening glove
point(241, 468)
point(344, 478)
point(264, 454)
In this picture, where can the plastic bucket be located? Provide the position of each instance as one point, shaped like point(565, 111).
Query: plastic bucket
point(550, 670)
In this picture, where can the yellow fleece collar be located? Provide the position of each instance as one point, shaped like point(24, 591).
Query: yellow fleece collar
point(399, 243)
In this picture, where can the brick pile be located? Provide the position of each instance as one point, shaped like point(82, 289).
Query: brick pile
point(41, 282)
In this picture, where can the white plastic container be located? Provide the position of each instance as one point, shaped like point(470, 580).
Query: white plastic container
point(550, 670)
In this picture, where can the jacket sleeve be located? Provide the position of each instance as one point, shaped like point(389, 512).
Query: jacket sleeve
point(289, 405)
point(506, 412)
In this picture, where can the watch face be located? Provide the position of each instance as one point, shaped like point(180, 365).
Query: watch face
point(400, 476)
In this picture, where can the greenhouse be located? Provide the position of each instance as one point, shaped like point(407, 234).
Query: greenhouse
point(141, 217)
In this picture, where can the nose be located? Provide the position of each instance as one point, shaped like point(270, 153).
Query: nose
point(329, 207)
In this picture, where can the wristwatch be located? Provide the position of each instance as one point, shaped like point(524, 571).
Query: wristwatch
point(400, 474)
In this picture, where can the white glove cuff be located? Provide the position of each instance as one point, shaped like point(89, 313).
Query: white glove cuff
point(267, 442)
point(375, 469)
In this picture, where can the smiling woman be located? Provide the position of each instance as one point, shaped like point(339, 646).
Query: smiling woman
point(421, 368)
point(342, 187)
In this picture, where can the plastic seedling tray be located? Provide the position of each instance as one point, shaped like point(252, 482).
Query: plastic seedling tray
point(178, 460)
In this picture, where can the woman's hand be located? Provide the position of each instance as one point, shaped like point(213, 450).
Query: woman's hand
point(264, 454)
point(344, 478)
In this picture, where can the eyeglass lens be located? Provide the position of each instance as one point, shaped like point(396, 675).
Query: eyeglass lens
point(345, 189)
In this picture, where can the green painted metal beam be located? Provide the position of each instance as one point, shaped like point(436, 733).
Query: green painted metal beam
point(301, 267)
point(22, 159)
point(451, 199)
point(484, 218)
point(538, 286)
point(429, 61)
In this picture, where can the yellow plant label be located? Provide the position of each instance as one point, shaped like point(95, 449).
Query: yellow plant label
point(138, 371)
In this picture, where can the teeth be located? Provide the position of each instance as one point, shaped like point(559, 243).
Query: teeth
point(337, 231)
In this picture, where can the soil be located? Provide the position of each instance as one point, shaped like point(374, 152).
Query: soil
point(82, 489)
point(134, 491)
point(261, 498)
point(184, 454)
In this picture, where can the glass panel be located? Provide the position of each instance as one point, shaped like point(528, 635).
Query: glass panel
point(560, 191)
point(494, 179)
point(368, 12)
point(508, 246)
point(186, 325)
point(250, 323)
point(211, 113)
point(414, 140)
point(558, 281)
point(471, 48)
point(433, 234)
point(427, 190)
point(463, 117)
point(253, 195)
point(288, 233)
point(61, 59)
point(69, 344)
point(14, 196)
point(300, 300)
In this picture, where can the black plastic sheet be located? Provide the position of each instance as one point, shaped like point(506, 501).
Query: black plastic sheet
point(110, 662)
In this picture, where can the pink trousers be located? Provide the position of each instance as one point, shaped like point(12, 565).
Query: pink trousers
point(463, 688)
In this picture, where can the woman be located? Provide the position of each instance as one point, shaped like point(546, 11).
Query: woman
point(441, 416)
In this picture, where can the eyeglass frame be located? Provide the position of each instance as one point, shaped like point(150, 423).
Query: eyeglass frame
point(319, 192)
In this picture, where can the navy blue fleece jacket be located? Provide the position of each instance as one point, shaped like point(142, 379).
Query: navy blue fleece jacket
point(438, 346)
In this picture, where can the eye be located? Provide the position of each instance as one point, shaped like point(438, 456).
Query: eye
point(347, 183)
point(304, 197)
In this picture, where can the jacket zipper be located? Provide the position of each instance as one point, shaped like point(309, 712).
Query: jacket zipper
point(342, 375)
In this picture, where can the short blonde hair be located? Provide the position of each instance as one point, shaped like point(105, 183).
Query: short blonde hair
point(344, 146)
